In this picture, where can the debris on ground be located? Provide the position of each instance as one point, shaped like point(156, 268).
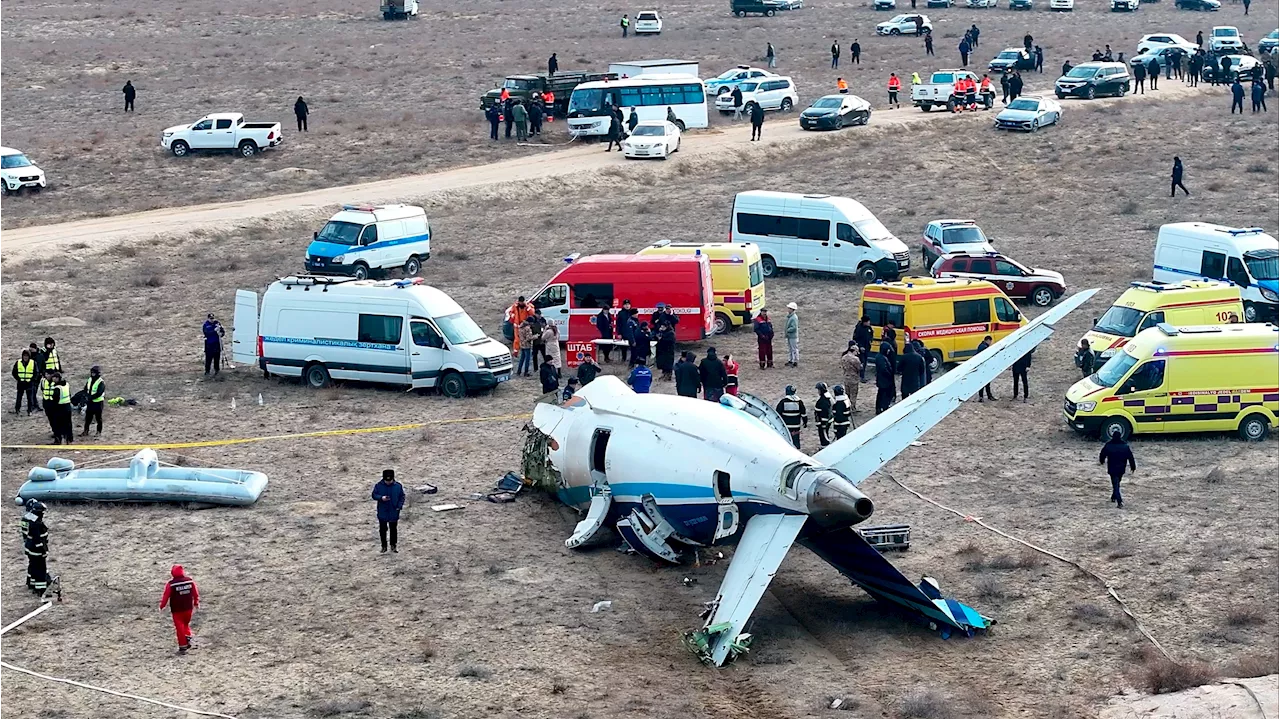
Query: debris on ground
point(600, 606)
point(445, 507)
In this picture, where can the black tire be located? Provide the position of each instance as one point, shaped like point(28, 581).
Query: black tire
point(770, 13)
point(7, 191)
point(926, 106)
point(361, 271)
point(1111, 424)
point(768, 266)
point(867, 273)
point(895, 31)
point(1250, 312)
point(1090, 93)
point(316, 376)
point(737, 13)
point(786, 105)
point(1254, 428)
point(180, 148)
point(924, 258)
point(248, 148)
point(1060, 96)
point(453, 386)
point(412, 266)
point(722, 324)
point(935, 361)
point(1042, 296)
point(951, 104)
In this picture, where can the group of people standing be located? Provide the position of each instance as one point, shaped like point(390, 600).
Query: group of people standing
point(513, 111)
point(39, 379)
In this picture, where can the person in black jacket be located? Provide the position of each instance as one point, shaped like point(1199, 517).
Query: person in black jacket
point(1140, 78)
point(757, 121)
point(855, 52)
point(713, 376)
point(553, 64)
point(983, 345)
point(1020, 369)
point(549, 376)
point(129, 94)
point(300, 111)
point(494, 116)
point(822, 414)
point(1084, 358)
point(1175, 180)
point(912, 366)
point(688, 377)
point(1153, 72)
point(791, 409)
point(626, 325)
point(641, 343)
point(604, 325)
point(588, 371)
point(885, 389)
point(535, 117)
point(863, 336)
point(1116, 454)
point(665, 352)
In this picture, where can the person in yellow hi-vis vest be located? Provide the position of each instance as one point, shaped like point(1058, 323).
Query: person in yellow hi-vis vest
point(96, 389)
point(24, 371)
point(48, 396)
point(62, 429)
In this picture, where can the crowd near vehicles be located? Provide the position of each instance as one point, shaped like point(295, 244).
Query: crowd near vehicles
point(1247, 257)
point(1147, 304)
point(770, 93)
point(1012, 58)
point(652, 138)
point(1225, 39)
point(937, 91)
point(943, 236)
point(1125, 5)
point(1162, 40)
point(650, 96)
point(906, 24)
point(398, 9)
point(647, 22)
point(737, 279)
point(949, 315)
point(1029, 113)
point(1162, 55)
point(729, 79)
point(18, 172)
point(1183, 378)
point(524, 87)
point(1238, 66)
point(832, 112)
point(1269, 42)
point(1201, 5)
point(1013, 278)
point(665, 66)
point(769, 8)
point(1090, 79)
point(578, 292)
point(398, 332)
point(364, 239)
point(222, 131)
point(1062, 5)
point(818, 233)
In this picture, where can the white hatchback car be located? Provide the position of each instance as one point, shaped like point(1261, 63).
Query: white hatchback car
point(17, 172)
point(905, 25)
point(772, 93)
point(652, 138)
point(648, 22)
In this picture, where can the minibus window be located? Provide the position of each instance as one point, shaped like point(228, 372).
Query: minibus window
point(844, 232)
point(1114, 370)
point(1212, 264)
point(369, 235)
point(819, 230)
point(767, 225)
point(592, 296)
point(1236, 273)
point(1005, 311)
point(882, 313)
point(1149, 376)
point(973, 312)
point(424, 335)
point(380, 329)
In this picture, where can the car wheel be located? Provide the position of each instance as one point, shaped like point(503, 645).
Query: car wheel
point(935, 361)
point(453, 386)
point(1254, 428)
point(180, 149)
point(1035, 125)
point(361, 271)
point(1116, 424)
point(951, 105)
point(770, 13)
point(1042, 296)
point(786, 105)
point(768, 266)
point(924, 258)
point(1250, 312)
point(867, 273)
point(722, 324)
point(1060, 96)
point(1090, 93)
point(412, 266)
point(895, 31)
point(317, 376)
point(248, 148)
point(926, 106)
point(737, 13)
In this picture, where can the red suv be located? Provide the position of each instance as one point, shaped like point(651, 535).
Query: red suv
point(1017, 281)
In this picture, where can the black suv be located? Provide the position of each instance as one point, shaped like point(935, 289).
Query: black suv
point(1090, 79)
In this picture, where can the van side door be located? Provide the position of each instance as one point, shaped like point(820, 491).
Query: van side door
point(848, 250)
point(426, 353)
point(1144, 396)
point(813, 246)
point(380, 353)
point(366, 253)
point(554, 303)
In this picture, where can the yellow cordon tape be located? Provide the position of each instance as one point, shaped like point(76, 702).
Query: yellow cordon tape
point(300, 435)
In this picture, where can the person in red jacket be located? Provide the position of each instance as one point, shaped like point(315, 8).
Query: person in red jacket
point(894, 86)
point(182, 597)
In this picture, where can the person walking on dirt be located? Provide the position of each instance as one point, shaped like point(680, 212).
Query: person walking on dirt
point(851, 366)
point(855, 52)
point(1020, 369)
point(553, 64)
point(1039, 59)
point(96, 398)
point(129, 94)
point(625, 24)
point(736, 96)
point(1237, 96)
point(764, 339)
point(835, 55)
point(1246, 6)
point(300, 111)
point(24, 373)
point(973, 34)
point(928, 43)
point(1116, 454)
point(213, 334)
point(757, 120)
point(895, 85)
point(1153, 72)
point(1175, 180)
point(389, 494)
point(183, 598)
point(1259, 97)
point(964, 48)
point(771, 56)
point(615, 134)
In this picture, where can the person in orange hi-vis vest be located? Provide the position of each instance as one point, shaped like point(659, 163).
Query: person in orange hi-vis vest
point(505, 94)
point(971, 93)
point(182, 597)
point(894, 86)
point(957, 95)
point(842, 86)
point(549, 101)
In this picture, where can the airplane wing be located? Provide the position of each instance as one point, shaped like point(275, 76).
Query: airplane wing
point(764, 544)
point(860, 453)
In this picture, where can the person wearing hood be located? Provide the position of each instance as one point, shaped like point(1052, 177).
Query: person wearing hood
point(182, 597)
point(822, 414)
point(130, 93)
point(764, 339)
point(96, 398)
point(300, 112)
point(912, 366)
point(688, 378)
point(793, 413)
point(664, 357)
point(885, 386)
point(389, 494)
point(924, 355)
point(713, 376)
point(851, 366)
point(793, 335)
point(841, 412)
point(35, 543)
point(1116, 454)
point(494, 116)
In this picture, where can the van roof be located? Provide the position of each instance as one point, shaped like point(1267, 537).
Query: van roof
point(1164, 338)
point(7, 151)
point(435, 302)
point(628, 259)
point(654, 63)
point(640, 80)
point(910, 286)
point(848, 205)
point(741, 251)
point(360, 213)
point(1147, 296)
point(1244, 237)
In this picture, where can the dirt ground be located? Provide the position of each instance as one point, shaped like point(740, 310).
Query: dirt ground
point(484, 613)
point(391, 99)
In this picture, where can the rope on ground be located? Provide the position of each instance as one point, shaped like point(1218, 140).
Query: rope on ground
point(1107, 585)
point(82, 685)
point(245, 440)
point(526, 143)
point(1256, 700)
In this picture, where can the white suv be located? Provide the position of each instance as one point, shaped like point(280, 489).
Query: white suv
point(17, 172)
point(648, 22)
point(1067, 5)
point(773, 93)
point(943, 237)
point(1168, 39)
point(1225, 37)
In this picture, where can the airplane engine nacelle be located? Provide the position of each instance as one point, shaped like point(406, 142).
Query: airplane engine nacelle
point(834, 501)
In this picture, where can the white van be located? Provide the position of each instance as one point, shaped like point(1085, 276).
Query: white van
point(390, 331)
point(1247, 257)
point(363, 238)
point(817, 232)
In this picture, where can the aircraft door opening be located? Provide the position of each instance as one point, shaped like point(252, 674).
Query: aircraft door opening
point(599, 448)
point(726, 510)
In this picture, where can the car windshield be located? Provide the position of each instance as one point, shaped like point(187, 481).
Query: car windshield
point(460, 329)
point(340, 233)
point(1082, 71)
point(515, 83)
point(871, 229)
point(1114, 370)
point(649, 130)
point(729, 74)
point(586, 100)
point(647, 16)
point(1263, 264)
point(1024, 104)
point(1120, 321)
point(827, 102)
point(1008, 55)
point(964, 235)
point(1273, 35)
point(1224, 32)
point(9, 162)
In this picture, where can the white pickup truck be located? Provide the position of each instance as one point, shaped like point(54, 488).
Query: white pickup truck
point(937, 92)
point(222, 131)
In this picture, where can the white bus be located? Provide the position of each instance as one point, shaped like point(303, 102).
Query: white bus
point(650, 95)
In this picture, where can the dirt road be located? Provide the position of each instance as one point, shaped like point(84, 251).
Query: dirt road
point(575, 159)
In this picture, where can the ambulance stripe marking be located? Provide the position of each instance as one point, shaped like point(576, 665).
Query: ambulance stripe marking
point(1206, 408)
point(1272, 397)
point(1134, 402)
point(1185, 400)
point(1156, 410)
point(1190, 353)
point(934, 295)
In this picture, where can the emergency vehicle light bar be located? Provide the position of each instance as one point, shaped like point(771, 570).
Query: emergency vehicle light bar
point(1244, 231)
point(359, 208)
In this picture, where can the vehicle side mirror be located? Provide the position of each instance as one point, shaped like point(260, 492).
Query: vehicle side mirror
point(315, 235)
point(1095, 321)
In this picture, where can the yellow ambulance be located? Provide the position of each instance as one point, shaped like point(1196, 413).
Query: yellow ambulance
point(1207, 378)
point(737, 279)
point(949, 315)
point(1147, 304)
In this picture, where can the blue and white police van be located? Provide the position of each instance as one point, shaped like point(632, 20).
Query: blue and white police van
point(1246, 256)
point(362, 239)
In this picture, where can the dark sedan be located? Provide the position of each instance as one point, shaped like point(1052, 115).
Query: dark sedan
point(833, 112)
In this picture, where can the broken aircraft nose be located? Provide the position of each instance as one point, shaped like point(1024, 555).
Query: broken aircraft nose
point(834, 502)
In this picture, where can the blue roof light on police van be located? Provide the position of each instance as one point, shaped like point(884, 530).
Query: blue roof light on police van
point(1244, 231)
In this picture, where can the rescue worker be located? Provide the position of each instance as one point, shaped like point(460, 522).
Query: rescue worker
point(641, 378)
point(300, 112)
point(49, 395)
point(570, 388)
point(957, 95)
point(688, 378)
point(129, 94)
point(731, 368)
point(62, 400)
point(971, 92)
point(895, 85)
point(712, 373)
point(885, 387)
point(625, 24)
point(822, 414)
point(1084, 358)
point(863, 336)
point(213, 334)
point(389, 494)
point(35, 542)
point(182, 597)
point(793, 414)
point(793, 335)
point(517, 314)
point(24, 373)
point(841, 412)
point(983, 345)
point(51, 359)
point(912, 366)
point(764, 339)
point(984, 89)
point(1116, 454)
point(1020, 369)
point(521, 114)
point(915, 79)
point(664, 356)
point(841, 86)
point(96, 390)
point(553, 64)
point(835, 55)
point(494, 116)
point(855, 52)
point(757, 121)
point(851, 365)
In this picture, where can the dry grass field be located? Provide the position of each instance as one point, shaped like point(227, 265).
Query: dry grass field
point(484, 613)
point(398, 98)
